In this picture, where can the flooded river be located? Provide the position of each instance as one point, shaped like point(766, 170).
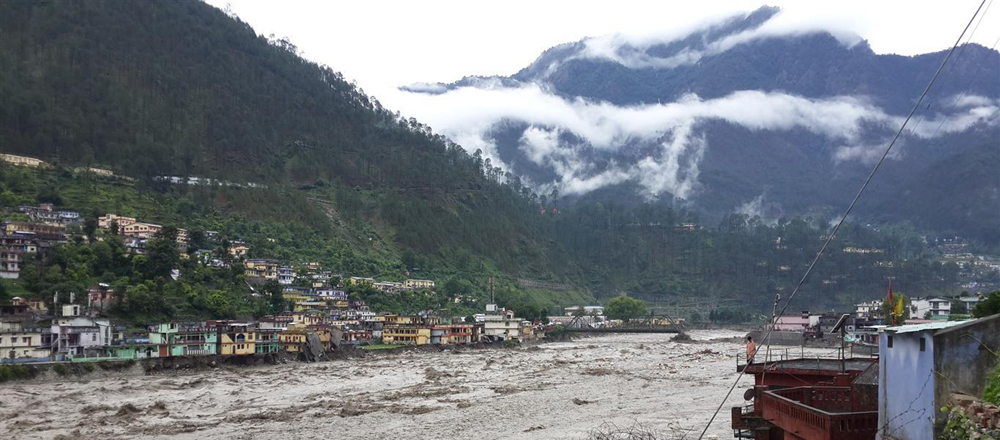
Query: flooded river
point(554, 390)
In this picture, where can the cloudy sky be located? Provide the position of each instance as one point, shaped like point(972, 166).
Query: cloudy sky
point(384, 44)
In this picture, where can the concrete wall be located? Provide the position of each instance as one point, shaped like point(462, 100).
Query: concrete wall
point(906, 387)
point(795, 339)
point(963, 359)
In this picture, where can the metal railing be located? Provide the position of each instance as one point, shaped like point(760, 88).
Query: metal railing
point(818, 412)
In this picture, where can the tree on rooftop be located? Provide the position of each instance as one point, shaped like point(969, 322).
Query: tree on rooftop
point(887, 308)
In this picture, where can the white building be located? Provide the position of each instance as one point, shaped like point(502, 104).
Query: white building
point(75, 334)
point(922, 365)
point(286, 275)
point(930, 308)
point(419, 284)
point(388, 286)
point(330, 293)
point(868, 309)
point(587, 310)
point(502, 327)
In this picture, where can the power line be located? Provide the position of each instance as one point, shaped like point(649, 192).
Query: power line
point(848, 211)
point(950, 68)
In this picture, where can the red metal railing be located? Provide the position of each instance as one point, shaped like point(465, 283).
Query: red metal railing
point(818, 413)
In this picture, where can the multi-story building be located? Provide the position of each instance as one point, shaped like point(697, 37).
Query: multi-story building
point(238, 250)
point(17, 341)
point(796, 323)
point(407, 330)
point(46, 213)
point(406, 335)
point(268, 340)
point(11, 262)
point(293, 339)
point(358, 281)
point(10, 228)
point(286, 275)
point(330, 293)
point(234, 338)
point(77, 335)
point(261, 269)
point(140, 230)
point(419, 284)
point(23, 161)
point(503, 326)
point(451, 334)
point(105, 221)
point(388, 286)
point(930, 308)
point(184, 339)
point(869, 309)
point(584, 311)
point(19, 242)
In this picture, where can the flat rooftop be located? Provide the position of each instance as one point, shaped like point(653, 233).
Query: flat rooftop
point(817, 364)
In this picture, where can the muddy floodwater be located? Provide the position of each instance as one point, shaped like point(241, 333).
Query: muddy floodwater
point(554, 390)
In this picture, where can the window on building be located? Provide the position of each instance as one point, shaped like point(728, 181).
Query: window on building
point(888, 342)
point(26, 340)
point(923, 344)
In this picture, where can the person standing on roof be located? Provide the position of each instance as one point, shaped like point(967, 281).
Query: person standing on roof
point(751, 349)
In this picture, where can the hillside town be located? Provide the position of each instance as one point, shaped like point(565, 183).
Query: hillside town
point(322, 315)
point(31, 331)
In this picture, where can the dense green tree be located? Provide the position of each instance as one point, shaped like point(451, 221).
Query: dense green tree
point(90, 229)
point(989, 306)
point(162, 255)
point(625, 308)
point(276, 299)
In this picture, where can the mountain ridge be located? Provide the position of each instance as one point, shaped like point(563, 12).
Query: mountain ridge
point(713, 88)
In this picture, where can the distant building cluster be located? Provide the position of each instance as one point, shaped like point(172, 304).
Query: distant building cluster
point(135, 232)
point(77, 334)
point(23, 161)
point(206, 181)
point(20, 240)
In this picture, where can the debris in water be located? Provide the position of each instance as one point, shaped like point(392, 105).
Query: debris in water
point(127, 409)
point(682, 337)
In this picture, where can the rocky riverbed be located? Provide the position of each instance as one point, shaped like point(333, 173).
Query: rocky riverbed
point(554, 390)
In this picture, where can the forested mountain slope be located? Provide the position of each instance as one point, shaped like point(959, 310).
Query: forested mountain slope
point(750, 107)
point(179, 88)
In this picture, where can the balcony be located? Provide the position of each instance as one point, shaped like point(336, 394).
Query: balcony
point(77, 330)
point(819, 413)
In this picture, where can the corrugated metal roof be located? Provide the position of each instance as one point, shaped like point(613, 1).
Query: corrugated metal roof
point(923, 327)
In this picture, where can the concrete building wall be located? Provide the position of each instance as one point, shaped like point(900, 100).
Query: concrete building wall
point(906, 387)
point(963, 359)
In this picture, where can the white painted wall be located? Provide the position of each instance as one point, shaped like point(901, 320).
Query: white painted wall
point(906, 387)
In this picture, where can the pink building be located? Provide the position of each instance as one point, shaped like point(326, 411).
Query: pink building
point(795, 323)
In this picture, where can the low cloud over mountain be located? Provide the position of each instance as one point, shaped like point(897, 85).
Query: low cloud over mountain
point(718, 114)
